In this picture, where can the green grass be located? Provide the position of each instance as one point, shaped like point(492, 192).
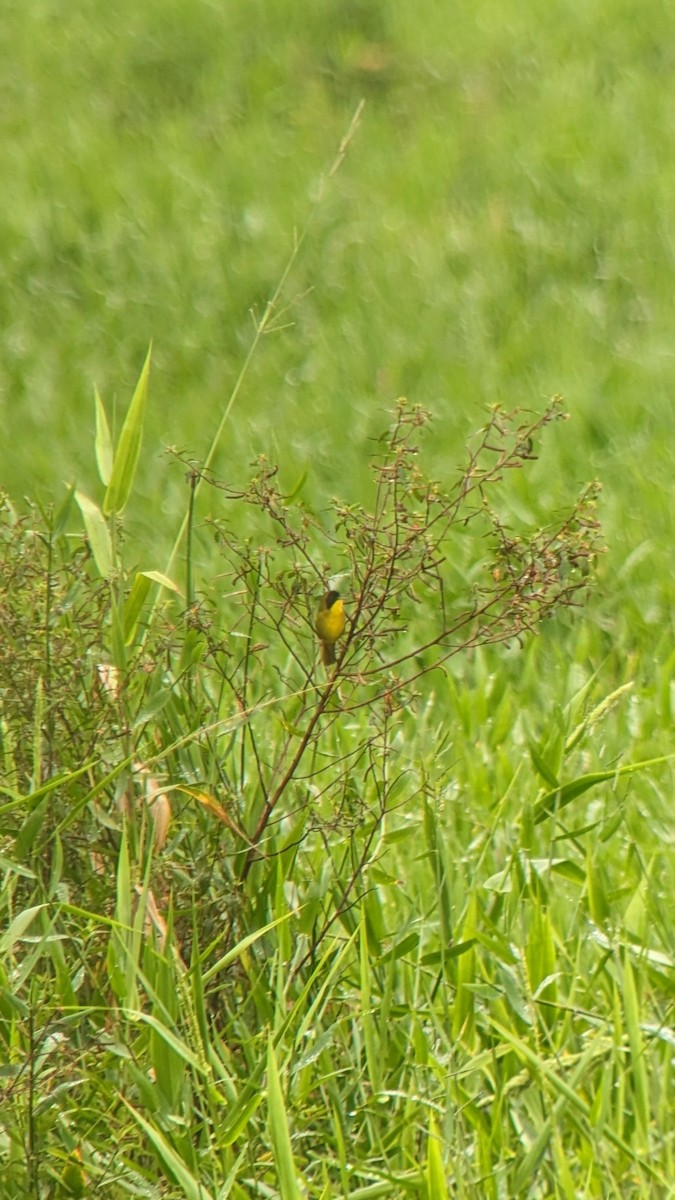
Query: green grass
point(436, 977)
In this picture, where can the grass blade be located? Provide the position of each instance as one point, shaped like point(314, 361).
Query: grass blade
point(193, 1188)
point(278, 1126)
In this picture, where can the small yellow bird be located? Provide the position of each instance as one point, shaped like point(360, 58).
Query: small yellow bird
point(329, 624)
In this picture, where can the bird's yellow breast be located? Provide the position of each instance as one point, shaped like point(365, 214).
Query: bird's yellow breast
point(330, 619)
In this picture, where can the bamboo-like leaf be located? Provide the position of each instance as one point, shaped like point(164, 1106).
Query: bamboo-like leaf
point(598, 902)
point(278, 1126)
point(128, 447)
point(133, 606)
point(565, 1184)
point(568, 869)
point(631, 1008)
point(123, 910)
point(21, 922)
point(163, 580)
point(30, 798)
point(238, 1116)
point(176, 1168)
point(35, 823)
point(367, 1020)
point(636, 913)
point(117, 642)
point(560, 797)
point(103, 446)
point(98, 534)
point(222, 815)
point(282, 931)
point(464, 1006)
point(296, 489)
point(62, 513)
point(38, 737)
point(543, 768)
point(540, 952)
point(437, 1187)
point(568, 1094)
point(241, 946)
point(527, 1168)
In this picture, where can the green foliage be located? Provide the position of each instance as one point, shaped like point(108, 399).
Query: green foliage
point(274, 947)
point(124, 461)
point(403, 929)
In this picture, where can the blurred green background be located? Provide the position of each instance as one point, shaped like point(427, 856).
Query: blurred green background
point(500, 230)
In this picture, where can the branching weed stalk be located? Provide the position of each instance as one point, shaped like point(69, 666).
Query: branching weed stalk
point(332, 766)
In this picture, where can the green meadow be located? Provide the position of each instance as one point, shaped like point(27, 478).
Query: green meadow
point(401, 928)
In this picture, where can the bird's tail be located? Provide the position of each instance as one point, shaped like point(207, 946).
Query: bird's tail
point(328, 653)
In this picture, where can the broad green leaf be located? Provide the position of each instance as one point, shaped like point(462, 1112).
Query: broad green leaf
point(98, 534)
point(128, 447)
